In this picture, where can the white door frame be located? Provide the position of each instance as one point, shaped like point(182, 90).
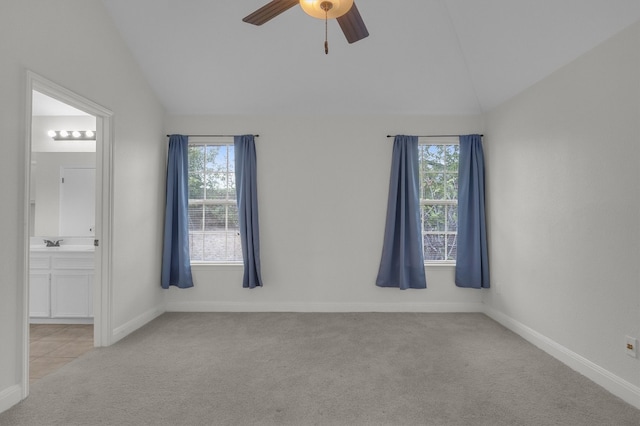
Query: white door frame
point(102, 295)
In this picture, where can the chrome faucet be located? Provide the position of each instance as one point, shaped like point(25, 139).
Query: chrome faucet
point(50, 243)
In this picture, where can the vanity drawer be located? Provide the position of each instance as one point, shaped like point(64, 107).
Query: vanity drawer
point(72, 262)
point(39, 262)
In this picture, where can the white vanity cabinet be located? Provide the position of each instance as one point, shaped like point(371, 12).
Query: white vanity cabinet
point(61, 286)
point(39, 286)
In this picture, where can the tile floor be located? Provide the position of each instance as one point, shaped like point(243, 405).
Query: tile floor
point(53, 345)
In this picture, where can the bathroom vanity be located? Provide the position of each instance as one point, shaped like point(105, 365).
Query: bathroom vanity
point(61, 284)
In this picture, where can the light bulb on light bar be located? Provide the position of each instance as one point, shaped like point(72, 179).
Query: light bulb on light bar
point(75, 135)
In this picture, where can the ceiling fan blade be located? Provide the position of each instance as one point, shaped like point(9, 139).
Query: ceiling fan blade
point(269, 11)
point(352, 25)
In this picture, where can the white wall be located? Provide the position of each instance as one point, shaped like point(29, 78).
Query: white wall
point(563, 185)
point(75, 44)
point(323, 185)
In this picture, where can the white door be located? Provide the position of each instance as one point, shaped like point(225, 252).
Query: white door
point(77, 201)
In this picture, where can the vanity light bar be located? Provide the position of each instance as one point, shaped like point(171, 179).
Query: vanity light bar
point(72, 135)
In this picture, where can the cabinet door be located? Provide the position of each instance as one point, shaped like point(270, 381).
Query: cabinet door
point(70, 294)
point(39, 295)
point(90, 277)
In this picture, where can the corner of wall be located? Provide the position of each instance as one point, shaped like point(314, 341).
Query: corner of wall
point(129, 327)
point(10, 397)
point(614, 384)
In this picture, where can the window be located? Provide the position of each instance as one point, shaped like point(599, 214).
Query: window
point(438, 200)
point(214, 230)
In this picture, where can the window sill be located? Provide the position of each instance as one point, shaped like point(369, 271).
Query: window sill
point(210, 265)
point(440, 264)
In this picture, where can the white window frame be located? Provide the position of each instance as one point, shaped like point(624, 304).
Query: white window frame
point(443, 202)
point(231, 201)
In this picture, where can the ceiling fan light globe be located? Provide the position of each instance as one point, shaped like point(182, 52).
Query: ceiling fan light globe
point(314, 8)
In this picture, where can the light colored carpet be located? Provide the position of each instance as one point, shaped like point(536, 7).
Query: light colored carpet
point(319, 369)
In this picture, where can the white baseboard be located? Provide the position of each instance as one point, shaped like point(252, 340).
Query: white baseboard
point(137, 322)
point(10, 397)
point(614, 384)
point(321, 307)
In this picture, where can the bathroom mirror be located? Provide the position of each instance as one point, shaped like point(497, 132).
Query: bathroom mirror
point(62, 187)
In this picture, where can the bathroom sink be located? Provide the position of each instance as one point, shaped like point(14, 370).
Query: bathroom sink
point(64, 248)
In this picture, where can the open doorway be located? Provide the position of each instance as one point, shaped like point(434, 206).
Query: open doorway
point(61, 251)
point(67, 218)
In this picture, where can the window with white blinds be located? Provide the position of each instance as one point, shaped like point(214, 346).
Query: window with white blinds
point(214, 230)
point(439, 200)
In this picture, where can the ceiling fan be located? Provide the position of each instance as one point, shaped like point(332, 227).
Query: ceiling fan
point(345, 12)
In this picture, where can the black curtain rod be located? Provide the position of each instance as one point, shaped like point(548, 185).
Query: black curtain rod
point(433, 136)
point(213, 136)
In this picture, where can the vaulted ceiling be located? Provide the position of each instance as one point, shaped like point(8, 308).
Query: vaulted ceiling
point(422, 56)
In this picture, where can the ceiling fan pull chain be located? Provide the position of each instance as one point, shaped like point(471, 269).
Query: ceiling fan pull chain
point(326, 32)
